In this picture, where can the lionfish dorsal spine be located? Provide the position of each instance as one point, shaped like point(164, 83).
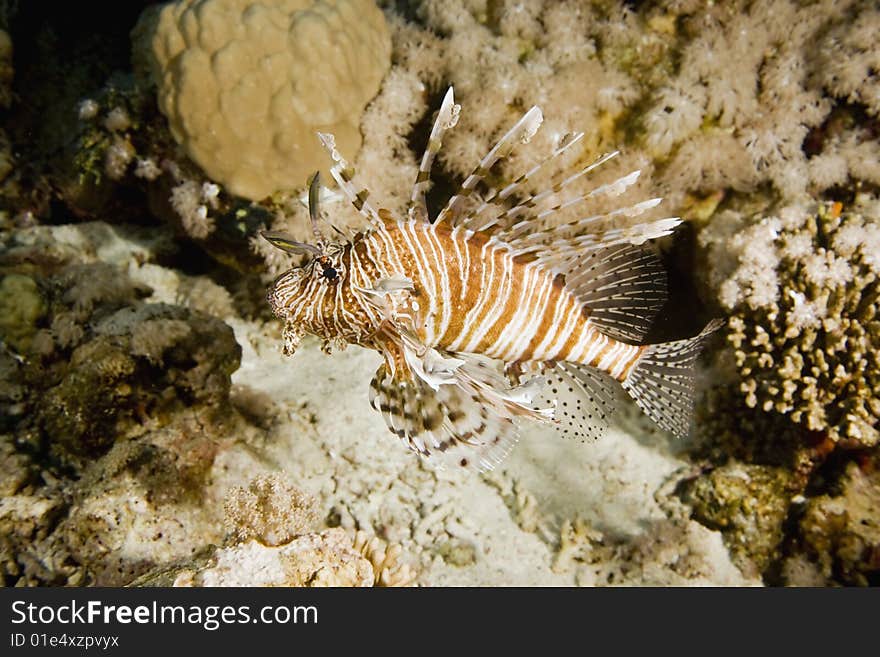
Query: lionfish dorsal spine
point(344, 175)
point(446, 119)
point(520, 133)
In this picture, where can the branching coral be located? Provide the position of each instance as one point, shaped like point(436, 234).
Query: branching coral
point(799, 283)
point(522, 504)
point(802, 290)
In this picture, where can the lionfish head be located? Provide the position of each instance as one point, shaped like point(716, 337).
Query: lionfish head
point(293, 290)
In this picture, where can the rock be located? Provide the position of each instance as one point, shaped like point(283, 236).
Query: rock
point(318, 559)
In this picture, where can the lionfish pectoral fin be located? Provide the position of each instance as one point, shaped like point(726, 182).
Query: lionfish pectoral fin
point(662, 381)
point(585, 399)
point(378, 296)
point(429, 365)
point(395, 283)
point(452, 409)
point(445, 426)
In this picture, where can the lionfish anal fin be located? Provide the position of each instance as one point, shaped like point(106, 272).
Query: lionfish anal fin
point(585, 398)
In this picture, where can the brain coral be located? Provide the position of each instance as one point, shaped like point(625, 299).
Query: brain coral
point(245, 84)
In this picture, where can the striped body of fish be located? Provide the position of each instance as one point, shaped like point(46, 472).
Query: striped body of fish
point(482, 319)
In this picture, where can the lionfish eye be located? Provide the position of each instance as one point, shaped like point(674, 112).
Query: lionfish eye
point(330, 274)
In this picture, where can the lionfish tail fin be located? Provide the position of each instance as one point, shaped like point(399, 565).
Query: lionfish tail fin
point(662, 380)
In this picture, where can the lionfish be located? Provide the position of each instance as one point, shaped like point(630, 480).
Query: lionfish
point(448, 301)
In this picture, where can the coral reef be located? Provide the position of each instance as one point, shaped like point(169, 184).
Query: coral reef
point(797, 392)
point(104, 361)
point(150, 500)
point(245, 84)
point(151, 433)
point(801, 288)
point(115, 409)
point(748, 504)
point(270, 544)
point(384, 558)
point(670, 552)
point(839, 534)
point(123, 161)
point(319, 559)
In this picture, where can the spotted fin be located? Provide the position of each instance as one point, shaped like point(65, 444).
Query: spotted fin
point(584, 399)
